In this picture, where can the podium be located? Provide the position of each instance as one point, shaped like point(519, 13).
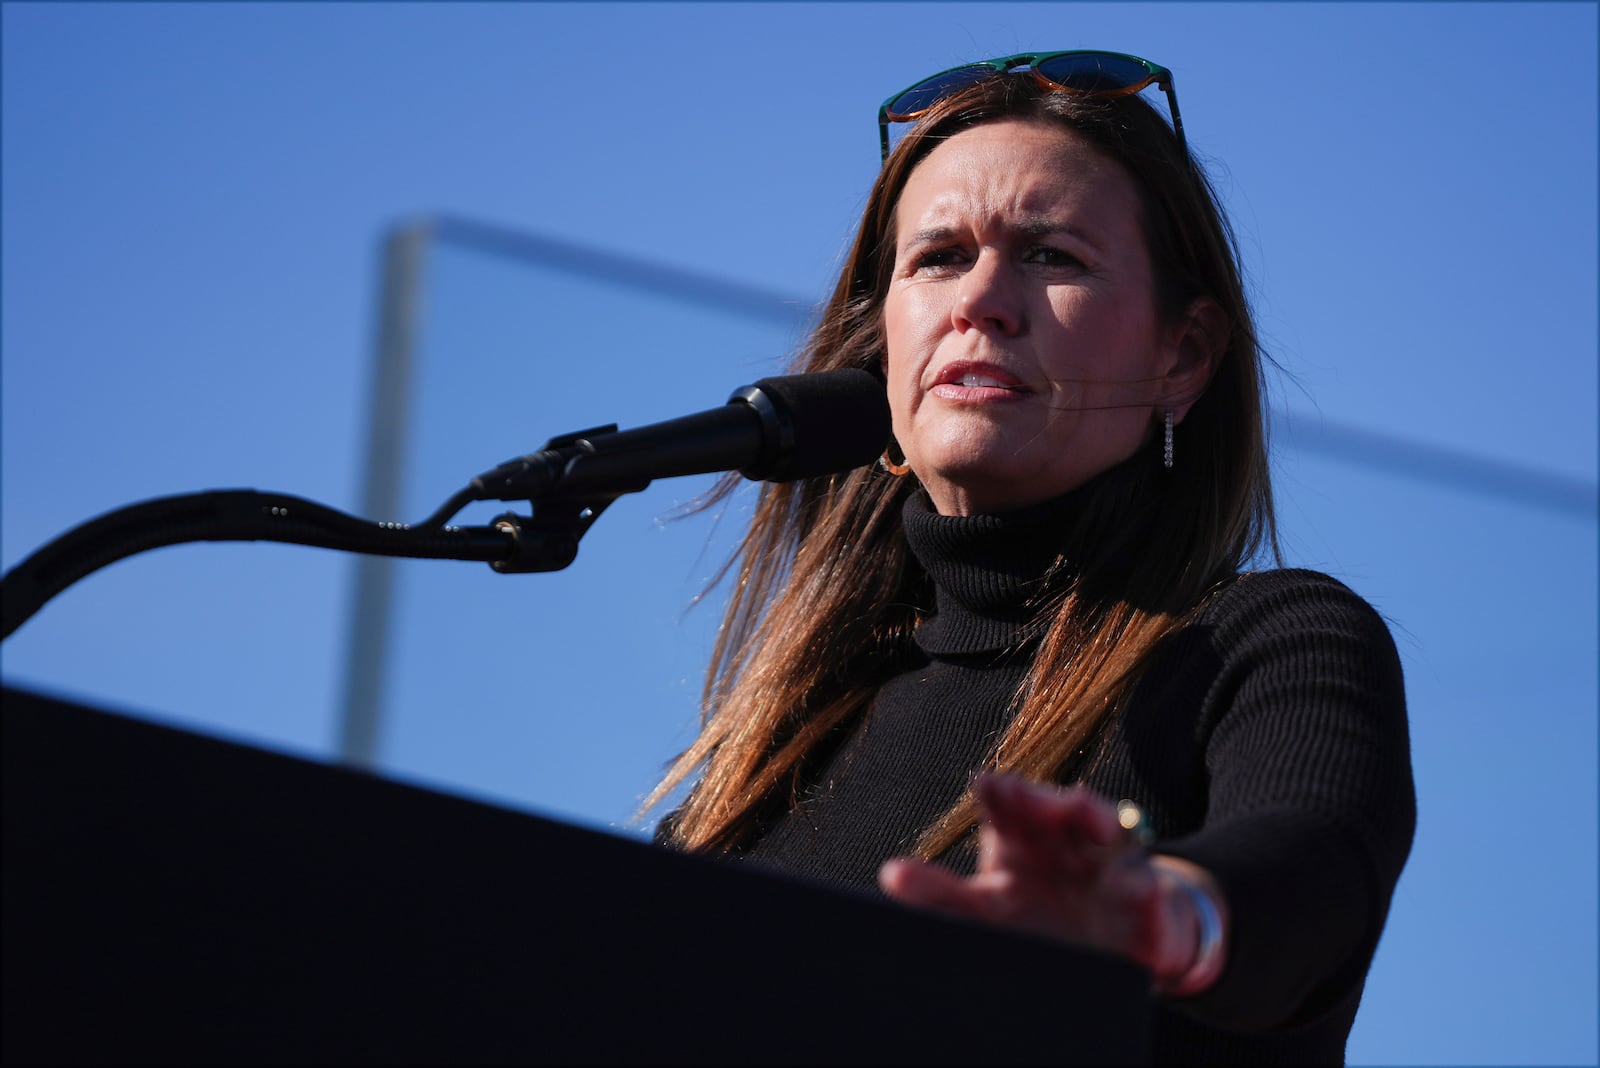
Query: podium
point(173, 898)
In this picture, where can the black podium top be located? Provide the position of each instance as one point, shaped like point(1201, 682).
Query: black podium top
point(171, 898)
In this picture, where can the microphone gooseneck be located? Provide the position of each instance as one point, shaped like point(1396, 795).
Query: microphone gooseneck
point(779, 429)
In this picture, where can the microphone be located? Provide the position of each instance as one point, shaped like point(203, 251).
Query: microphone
point(779, 430)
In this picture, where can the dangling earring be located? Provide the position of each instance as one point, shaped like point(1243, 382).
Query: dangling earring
point(1166, 442)
point(899, 469)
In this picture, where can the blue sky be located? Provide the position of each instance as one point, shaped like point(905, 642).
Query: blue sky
point(194, 197)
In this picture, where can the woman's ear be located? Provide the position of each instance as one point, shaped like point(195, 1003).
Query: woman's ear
point(1197, 342)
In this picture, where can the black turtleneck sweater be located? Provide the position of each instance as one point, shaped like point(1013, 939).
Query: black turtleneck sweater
point(1267, 743)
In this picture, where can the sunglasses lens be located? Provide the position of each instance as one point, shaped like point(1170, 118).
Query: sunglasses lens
point(1094, 72)
point(922, 96)
point(1097, 74)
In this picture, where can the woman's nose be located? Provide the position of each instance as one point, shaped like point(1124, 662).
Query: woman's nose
point(989, 299)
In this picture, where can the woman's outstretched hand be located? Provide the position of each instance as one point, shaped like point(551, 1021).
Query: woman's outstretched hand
point(1057, 862)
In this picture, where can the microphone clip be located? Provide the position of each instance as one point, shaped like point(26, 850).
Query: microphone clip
point(548, 539)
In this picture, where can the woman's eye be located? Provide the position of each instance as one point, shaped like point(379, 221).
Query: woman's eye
point(1053, 257)
point(933, 259)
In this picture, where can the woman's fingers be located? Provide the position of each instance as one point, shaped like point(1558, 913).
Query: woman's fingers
point(1058, 862)
point(1009, 800)
point(1072, 832)
point(931, 886)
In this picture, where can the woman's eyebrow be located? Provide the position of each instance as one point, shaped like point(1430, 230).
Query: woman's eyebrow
point(931, 234)
point(1033, 226)
point(1044, 226)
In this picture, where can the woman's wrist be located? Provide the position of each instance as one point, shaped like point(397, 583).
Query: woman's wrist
point(1202, 901)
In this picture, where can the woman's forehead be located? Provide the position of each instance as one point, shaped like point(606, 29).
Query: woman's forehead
point(1029, 176)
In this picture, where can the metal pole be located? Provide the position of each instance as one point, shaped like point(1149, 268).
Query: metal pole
point(399, 320)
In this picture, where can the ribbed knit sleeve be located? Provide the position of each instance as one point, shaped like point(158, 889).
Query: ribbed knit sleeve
point(1308, 801)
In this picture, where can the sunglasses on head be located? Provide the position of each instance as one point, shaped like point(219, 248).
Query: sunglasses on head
point(1096, 74)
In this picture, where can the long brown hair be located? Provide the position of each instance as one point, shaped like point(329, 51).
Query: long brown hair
point(827, 593)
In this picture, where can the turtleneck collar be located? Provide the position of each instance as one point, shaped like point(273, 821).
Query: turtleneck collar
point(986, 570)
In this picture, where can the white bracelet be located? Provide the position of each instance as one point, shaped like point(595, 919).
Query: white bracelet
point(1208, 958)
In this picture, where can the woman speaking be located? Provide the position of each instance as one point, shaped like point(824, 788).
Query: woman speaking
point(1028, 668)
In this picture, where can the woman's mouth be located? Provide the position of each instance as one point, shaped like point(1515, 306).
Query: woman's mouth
point(969, 382)
point(973, 379)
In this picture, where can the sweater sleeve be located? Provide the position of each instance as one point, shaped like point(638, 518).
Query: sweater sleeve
point(1310, 805)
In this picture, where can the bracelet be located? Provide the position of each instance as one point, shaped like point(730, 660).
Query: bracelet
point(1208, 958)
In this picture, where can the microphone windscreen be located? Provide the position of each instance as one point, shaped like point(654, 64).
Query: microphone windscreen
point(839, 420)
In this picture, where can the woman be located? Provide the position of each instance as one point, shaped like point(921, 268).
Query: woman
point(1045, 583)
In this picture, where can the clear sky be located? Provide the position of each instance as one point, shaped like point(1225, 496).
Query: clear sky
point(194, 197)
